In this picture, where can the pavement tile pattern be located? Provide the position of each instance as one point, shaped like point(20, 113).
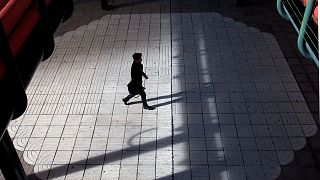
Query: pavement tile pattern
point(227, 104)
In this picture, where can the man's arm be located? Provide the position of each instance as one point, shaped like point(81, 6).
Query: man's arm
point(144, 75)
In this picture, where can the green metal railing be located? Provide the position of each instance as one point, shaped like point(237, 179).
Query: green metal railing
point(303, 46)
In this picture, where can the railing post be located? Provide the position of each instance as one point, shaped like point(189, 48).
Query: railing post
point(281, 11)
point(10, 163)
point(306, 17)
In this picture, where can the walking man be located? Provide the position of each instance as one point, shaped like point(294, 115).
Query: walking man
point(135, 86)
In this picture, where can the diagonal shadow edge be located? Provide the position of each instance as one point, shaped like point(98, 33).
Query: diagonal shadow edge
point(112, 156)
point(178, 95)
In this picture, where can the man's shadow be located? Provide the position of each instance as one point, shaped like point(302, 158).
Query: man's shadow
point(177, 97)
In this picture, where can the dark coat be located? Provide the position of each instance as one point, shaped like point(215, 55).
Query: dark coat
point(135, 85)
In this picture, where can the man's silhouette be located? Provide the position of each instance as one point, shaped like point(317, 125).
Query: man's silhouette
point(135, 86)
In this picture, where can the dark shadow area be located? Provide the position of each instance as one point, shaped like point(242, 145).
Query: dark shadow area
point(113, 4)
point(110, 5)
point(85, 11)
point(265, 17)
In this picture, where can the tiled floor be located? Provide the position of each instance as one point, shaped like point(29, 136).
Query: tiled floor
point(227, 103)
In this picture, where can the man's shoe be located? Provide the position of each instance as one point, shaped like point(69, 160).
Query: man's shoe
point(149, 107)
point(124, 101)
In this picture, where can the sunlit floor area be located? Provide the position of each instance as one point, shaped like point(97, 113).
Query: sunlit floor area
point(228, 106)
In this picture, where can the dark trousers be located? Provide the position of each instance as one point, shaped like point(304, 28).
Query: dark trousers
point(143, 97)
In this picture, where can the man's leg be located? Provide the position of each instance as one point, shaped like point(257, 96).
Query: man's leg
point(143, 98)
point(126, 99)
point(144, 101)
